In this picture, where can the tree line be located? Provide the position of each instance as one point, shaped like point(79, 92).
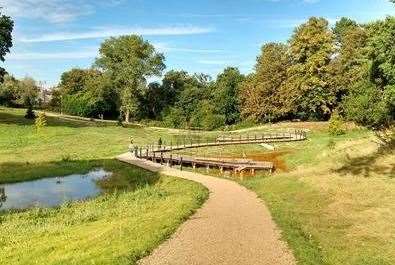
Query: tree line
point(347, 70)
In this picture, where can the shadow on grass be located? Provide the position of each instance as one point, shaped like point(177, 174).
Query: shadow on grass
point(366, 165)
point(62, 121)
point(16, 119)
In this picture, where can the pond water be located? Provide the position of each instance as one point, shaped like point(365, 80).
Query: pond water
point(50, 192)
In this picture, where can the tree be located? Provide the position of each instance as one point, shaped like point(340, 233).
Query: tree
point(308, 85)
point(6, 27)
point(9, 91)
point(350, 64)
point(372, 101)
point(28, 95)
point(173, 83)
point(129, 61)
point(155, 100)
point(74, 81)
point(368, 106)
point(226, 94)
point(342, 27)
point(262, 93)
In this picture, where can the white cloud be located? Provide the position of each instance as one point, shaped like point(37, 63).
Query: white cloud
point(114, 31)
point(28, 56)
point(55, 11)
point(92, 52)
point(164, 47)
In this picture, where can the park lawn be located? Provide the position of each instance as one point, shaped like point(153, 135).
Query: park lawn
point(333, 203)
point(117, 228)
point(53, 149)
point(336, 204)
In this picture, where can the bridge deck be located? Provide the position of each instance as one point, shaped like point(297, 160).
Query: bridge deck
point(160, 154)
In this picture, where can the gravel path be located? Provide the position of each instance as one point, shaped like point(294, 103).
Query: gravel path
point(232, 227)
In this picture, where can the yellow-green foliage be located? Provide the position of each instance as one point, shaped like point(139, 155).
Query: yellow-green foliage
point(41, 121)
point(336, 125)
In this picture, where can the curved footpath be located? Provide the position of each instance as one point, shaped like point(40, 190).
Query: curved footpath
point(232, 227)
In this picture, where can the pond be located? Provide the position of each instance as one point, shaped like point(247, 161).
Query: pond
point(51, 192)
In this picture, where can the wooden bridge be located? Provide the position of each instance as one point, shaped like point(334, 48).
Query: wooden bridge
point(163, 153)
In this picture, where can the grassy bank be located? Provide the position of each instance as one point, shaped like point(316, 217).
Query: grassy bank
point(333, 198)
point(115, 228)
point(336, 204)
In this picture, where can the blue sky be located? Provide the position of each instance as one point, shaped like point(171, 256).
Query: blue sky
point(52, 36)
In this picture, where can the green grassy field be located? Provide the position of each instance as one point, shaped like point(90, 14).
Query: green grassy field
point(115, 228)
point(333, 200)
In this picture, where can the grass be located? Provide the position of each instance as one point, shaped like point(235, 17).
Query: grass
point(334, 203)
point(114, 228)
point(329, 212)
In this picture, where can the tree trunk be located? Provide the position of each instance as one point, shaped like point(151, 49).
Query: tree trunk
point(127, 115)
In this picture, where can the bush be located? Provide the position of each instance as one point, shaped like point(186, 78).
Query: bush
point(41, 121)
point(30, 113)
point(336, 125)
point(369, 106)
point(175, 118)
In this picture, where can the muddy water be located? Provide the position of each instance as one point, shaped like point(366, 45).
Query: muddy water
point(276, 157)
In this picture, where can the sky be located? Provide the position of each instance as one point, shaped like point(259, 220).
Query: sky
point(201, 36)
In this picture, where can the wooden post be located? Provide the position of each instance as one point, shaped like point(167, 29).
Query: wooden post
point(161, 158)
point(253, 171)
point(136, 151)
point(141, 152)
point(146, 154)
point(153, 157)
point(171, 160)
point(181, 163)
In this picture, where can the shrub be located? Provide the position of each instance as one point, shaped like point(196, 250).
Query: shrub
point(369, 106)
point(30, 113)
point(175, 118)
point(336, 125)
point(41, 121)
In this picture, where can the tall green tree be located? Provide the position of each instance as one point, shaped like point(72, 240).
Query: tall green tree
point(226, 94)
point(342, 27)
point(74, 81)
point(262, 94)
point(308, 86)
point(6, 27)
point(350, 65)
point(9, 91)
point(129, 61)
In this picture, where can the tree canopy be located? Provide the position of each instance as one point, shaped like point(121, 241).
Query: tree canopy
point(348, 70)
point(129, 61)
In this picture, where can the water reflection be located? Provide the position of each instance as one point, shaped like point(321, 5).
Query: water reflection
point(53, 191)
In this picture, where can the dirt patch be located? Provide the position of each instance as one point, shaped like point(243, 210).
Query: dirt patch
point(276, 157)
